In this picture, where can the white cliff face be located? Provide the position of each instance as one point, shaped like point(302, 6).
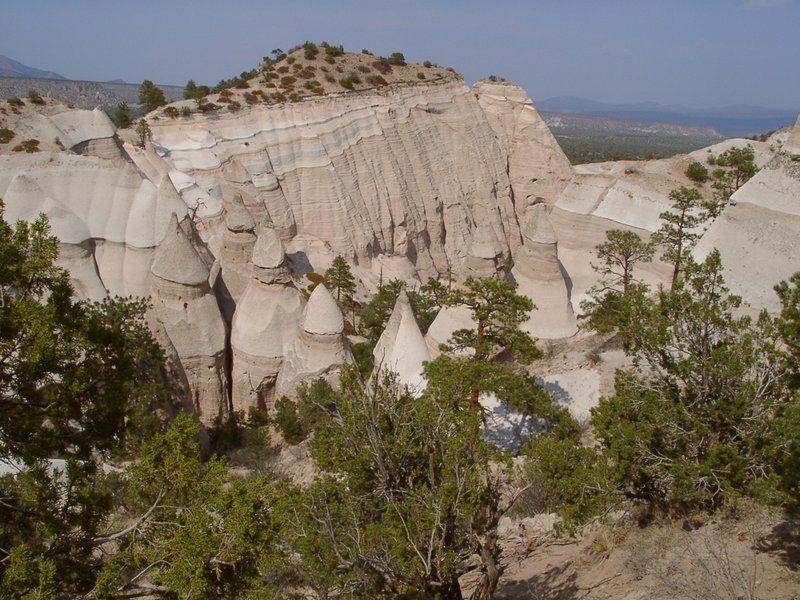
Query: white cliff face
point(235, 255)
point(187, 310)
point(265, 325)
point(537, 167)
point(400, 170)
point(401, 348)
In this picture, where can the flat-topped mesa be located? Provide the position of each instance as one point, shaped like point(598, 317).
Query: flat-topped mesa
point(486, 253)
point(236, 251)
point(401, 348)
point(537, 167)
point(537, 271)
point(265, 325)
point(320, 347)
point(185, 307)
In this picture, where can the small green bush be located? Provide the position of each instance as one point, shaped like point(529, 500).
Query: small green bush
point(294, 97)
point(287, 421)
point(420, 75)
point(279, 97)
point(365, 51)
point(6, 135)
point(330, 60)
point(186, 111)
point(427, 64)
point(697, 172)
point(310, 50)
point(15, 102)
point(287, 80)
point(171, 112)
point(382, 65)
point(233, 106)
point(334, 50)
point(397, 59)
point(283, 69)
point(34, 97)
point(347, 83)
point(376, 80)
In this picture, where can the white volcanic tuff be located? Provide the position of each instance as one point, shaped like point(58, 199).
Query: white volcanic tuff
point(187, 310)
point(105, 206)
point(265, 325)
point(537, 271)
point(537, 167)
point(758, 234)
point(396, 171)
point(319, 348)
point(71, 127)
point(401, 347)
point(792, 144)
point(236, 252)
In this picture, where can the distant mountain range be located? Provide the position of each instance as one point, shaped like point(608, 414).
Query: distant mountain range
point(11, 68)
point(731, 121)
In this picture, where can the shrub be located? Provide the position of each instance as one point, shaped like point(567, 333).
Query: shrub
point(283, 69)
point(171, 112)
point(318, 91)
point(279, 97)
point(697, 172)
point(427, 64)
point(29, 146)
point(34, 97)
point(347, 83)
point(310, 50)
point(186, 111)
point(420, 75)
point(376, 80)
point(233, 106)
point(330, 78)
point(334, 50)
point(397, 58)
point(297, 67)
point(363, 68)
point(294, 97)
point(382, 65)
point(225, 95)
point(289, 60)
point(287, 80)
point(339, 70)
point(269, 85)
point(365, 51)
point(252, 97)
point(311, 84)
point(287, 421)
point(712, 160)
point(206, 107)
point(122, 116)
point(6, 135)
point(330, 60)
point(14, 101)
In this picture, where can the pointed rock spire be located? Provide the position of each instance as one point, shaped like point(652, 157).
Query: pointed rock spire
point(237, 218)
point(177, 260)
point(322, 314)
point(401, 348)
point(537, 227)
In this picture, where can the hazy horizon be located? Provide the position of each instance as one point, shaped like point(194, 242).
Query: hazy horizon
point(720, 53)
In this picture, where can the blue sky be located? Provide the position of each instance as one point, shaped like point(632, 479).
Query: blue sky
point(698, 53)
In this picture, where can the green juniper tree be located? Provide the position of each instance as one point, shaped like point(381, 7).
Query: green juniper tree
point(681, 228)
point(122, 116)
point(151, 96)
point(339, 279)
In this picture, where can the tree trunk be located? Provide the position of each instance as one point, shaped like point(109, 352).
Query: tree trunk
point(491, 570)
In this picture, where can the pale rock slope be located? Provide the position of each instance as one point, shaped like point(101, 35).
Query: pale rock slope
point(320, 347)
point(186, 308)
point(235, 255)
point(758, 233)
point(401, 348)
point(265, 325)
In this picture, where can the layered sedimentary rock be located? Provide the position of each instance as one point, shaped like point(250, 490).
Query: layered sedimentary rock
point(537, 168)
point(485, 257)
point(401, 170)
point(319, 348)
point(537, 271)
point(758, 233)
point(188, 312)
point(88, 132)
point(236, 253)
point(265, 325)
point(401, 347)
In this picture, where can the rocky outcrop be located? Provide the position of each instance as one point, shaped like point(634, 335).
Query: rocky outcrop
point(539, 275)
point(401, 348)
point(236, 253)
point(537, 167)
point(265, 325)
point(320, 347)
point(402, 170)
point(792, 145)
point(187, 310)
